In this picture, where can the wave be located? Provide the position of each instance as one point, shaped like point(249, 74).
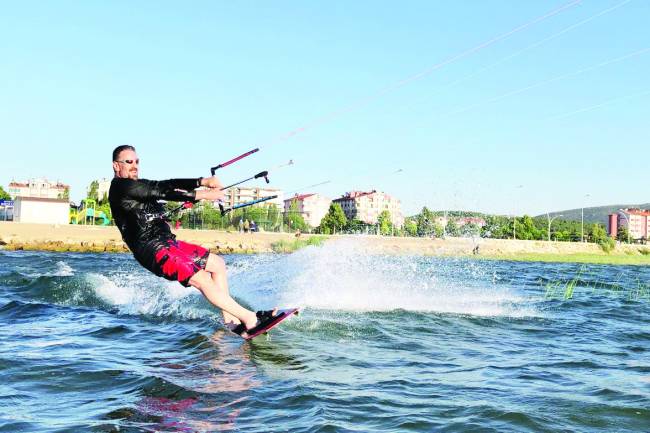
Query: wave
point(21, 273)
point(122, 293)
point(339, 276)
point(342, 276)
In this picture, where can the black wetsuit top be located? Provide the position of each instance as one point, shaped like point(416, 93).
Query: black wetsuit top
point(139, 216)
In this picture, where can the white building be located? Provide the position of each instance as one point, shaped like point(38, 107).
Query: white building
point(312, 207)
point(41, 210)
point(103, 185)
point(636, 221)
point(39, 187)
point(366, 206)
point(238, 195)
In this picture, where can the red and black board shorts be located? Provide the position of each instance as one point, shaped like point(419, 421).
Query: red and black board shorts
point(179, 261)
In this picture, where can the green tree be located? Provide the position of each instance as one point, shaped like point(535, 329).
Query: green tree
point(526, 229)
point(256, 213)
point(425, 222)
point(451, 229)
point(293, 218)
point(355, 226)
point(4, 195)
point(598, 234)
point(411, 227)
point(92, 190)
point(201, 215)
point(623, 234)
point(334, 220)
point(470, 229)
point(496, 227)
point(272, 218)
point(385, 224)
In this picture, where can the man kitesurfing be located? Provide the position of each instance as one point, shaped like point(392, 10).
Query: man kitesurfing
point(143, 223)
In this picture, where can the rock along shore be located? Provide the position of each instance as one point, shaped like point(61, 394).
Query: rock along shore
point(80, 238)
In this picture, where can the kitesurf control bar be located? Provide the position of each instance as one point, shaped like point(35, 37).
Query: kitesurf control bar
point(264, 174)
point(248, 203)
point(227, 163)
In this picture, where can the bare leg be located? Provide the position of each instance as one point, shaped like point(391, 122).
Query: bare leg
point(217, 269)
point(220, 298)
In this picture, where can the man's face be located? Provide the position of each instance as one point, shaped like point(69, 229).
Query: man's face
point(127, 165)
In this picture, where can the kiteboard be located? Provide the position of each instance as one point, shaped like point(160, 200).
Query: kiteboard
point(269, 323)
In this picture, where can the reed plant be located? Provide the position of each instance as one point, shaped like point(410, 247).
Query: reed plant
point(607, 244)
point(283, 246)
point(561, 288)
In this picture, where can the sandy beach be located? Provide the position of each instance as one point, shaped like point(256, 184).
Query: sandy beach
point(17, 236)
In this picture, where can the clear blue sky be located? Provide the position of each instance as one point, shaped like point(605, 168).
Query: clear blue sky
point(529, 123)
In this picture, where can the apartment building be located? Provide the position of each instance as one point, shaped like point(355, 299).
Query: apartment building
point(366, 206)
point(103, 186)
point(39, 188)
point(238, 195)
point(637, 222)
point(312, 207)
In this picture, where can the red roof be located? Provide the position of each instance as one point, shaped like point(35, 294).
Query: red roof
point(642, 212)
point(355, 194)
point(299, 197)
point(57, 185)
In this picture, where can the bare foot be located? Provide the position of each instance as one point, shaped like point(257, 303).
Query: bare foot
point(231, 321)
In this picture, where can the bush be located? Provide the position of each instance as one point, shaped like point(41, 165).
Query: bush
point(644, 251)
point(607, 244)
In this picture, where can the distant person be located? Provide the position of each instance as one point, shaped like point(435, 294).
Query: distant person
point(246, 226)
point(145, 229)
point(253, 226)
point(241, 225)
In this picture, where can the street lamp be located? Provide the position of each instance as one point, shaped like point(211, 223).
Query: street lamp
point(629, 226)
point(582, 220)
point(550, 221)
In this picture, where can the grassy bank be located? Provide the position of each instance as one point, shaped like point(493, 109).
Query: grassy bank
point(603, 259)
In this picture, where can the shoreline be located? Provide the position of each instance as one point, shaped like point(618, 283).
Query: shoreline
point(73, 238)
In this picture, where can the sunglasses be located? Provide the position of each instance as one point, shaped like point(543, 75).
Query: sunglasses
point(129, 161)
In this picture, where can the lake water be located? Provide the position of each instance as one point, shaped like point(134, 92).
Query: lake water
point(92, 342)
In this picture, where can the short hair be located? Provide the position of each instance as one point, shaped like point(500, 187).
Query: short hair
point(119, 149)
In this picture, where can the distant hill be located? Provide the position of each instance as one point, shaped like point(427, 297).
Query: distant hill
point(595, 214)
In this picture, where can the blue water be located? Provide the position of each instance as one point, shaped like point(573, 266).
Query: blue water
point(93, 343)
